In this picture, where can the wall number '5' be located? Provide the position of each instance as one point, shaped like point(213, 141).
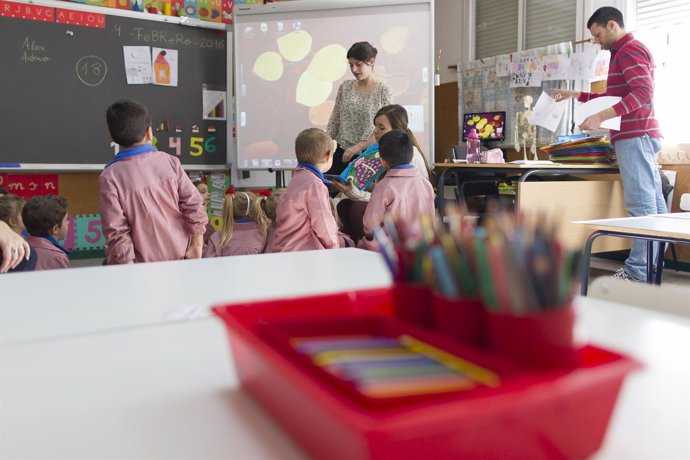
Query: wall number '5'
point(199, 146)
point(93, 234)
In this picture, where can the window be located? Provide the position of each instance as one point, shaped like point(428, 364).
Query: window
point(496, 27)
point(549, 22)
point(663, 26)
point(505, 26)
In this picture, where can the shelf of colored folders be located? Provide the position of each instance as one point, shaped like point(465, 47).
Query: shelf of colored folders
point(505, 286)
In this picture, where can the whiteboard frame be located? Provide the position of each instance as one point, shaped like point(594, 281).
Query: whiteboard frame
point(311, 5)
point(185, 21)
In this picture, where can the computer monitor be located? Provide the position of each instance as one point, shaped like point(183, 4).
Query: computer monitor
point(490, 126)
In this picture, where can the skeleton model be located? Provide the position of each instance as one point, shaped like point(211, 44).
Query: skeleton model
point(529, 131)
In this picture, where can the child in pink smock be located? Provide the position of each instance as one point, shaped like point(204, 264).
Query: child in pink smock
point(150, 210)
point(202, 187)
point(304, 218)
point(45, 218)
point(403, 192)
point(270, 205)
point(244, 226)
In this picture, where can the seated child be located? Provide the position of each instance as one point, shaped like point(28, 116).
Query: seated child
point(150, 210)
point(304, 217)
point(270, 206)
point(15, 253)
point(402, 192)
point(244, 226)
point(202, 187)
point(351, 209)
point(45, 218)
point(11, 213)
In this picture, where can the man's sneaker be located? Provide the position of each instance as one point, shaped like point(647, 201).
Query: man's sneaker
point(621, 274)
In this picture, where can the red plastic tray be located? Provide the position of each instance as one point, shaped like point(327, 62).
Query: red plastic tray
point(533, 415)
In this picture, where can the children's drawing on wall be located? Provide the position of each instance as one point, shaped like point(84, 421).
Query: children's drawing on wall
point(601, 65)
point(503, 65)
point(556, 67)
point(490, 76)
point(526, 72)
point(472, 100)
point(472, 69)
point(582, 63)
point(164, 67)
point(214, 103)
point(138, 65)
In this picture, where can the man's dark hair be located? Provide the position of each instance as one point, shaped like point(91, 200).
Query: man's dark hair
point(127, 122)
point(603, 15)
point(41, 213)
point(396, 147)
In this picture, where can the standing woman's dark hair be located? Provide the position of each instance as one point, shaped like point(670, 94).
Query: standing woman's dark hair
point(362, 51)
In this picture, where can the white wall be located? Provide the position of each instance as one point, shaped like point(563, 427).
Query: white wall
point(450, 34)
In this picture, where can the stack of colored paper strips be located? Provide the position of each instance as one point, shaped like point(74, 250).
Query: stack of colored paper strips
point(586, 150)
point(391, 367)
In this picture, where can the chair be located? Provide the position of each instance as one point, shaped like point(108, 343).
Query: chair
point(668, 181)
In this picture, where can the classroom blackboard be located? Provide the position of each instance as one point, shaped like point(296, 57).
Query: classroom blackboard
point(61, 68)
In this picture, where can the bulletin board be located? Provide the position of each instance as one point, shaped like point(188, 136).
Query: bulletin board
point(484, 88)
point(63, 64)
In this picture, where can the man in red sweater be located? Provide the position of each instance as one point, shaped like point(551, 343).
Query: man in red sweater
point(631, 77)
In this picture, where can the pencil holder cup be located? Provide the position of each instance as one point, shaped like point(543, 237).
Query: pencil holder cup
point(412, 303)
point(461, 319)
point(537, 341)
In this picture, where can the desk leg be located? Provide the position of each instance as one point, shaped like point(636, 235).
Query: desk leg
point(660, 263)
point(650, 261)
point(440, 199)
point(586, 260)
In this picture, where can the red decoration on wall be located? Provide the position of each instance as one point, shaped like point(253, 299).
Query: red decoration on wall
point(28, 185)
point(26, 11)
point(80, 18)
point(227, 11)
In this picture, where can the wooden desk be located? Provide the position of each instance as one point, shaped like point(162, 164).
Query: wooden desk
point(660, 228)
point(58, 303)
point(170, 391)
point(542, 188)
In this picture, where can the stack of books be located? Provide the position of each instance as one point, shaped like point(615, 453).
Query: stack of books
point(592, 149)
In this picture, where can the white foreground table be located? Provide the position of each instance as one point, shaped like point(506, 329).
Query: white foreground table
point(60, 303)
point(169, 390)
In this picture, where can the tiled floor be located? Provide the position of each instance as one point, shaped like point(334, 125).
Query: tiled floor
point(605, 267)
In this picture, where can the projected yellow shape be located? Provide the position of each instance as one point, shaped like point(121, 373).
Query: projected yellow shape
point(329, 63)
point(269, 66)
point(295, 46)
point(312, 92)
point(394, 39)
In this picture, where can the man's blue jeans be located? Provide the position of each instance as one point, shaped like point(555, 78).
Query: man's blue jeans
point(641, 191)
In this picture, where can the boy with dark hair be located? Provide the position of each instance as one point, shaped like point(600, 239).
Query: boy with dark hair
point(150, 210)
point(304, 219)
point(402, 192)
point(45, 218)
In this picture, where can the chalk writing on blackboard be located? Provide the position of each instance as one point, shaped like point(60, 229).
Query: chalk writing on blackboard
point(33, 51)
point(145, 35)
point(91, 70)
